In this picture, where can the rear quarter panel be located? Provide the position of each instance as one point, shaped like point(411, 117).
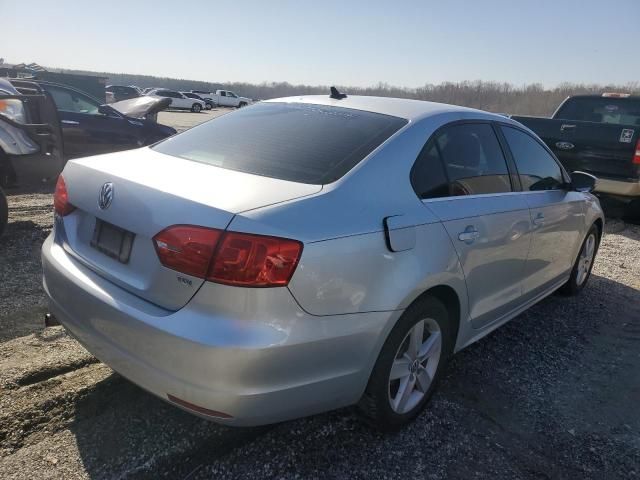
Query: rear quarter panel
point(359, 273)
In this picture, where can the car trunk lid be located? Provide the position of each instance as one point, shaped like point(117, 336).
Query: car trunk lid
point(150, 191)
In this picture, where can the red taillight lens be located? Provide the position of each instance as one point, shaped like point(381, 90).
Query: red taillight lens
point(61, 203)
point(636, 157)
point(231, 258)
point(186, 248)
point(255, 260)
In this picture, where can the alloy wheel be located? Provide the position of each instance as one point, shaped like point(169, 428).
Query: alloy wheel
point(586, 259)
point(415, 365)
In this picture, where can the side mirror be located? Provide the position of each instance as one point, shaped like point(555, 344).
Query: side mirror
point(583, 182)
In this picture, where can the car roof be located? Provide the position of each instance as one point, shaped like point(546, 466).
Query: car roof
point(398, 107)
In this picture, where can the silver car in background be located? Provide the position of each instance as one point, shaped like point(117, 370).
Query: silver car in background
point(309, 253)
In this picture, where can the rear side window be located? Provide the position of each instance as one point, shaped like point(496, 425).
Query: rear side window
point(537, 168)
point(302, 143)
point(618, 111)
point(463, 159)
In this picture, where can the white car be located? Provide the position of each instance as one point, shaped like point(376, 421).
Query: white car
point(178, 100)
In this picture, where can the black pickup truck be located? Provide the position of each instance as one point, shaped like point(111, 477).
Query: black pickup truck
point(598, 134)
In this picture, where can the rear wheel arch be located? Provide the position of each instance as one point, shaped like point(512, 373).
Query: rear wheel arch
point(448, 296)
point(600, 226)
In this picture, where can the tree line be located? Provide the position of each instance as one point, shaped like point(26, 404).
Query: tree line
point(530, 99)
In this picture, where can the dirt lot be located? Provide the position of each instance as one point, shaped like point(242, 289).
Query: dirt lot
point(553, 394)
point(183, 120)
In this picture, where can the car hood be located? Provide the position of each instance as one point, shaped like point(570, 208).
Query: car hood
point(141, 107)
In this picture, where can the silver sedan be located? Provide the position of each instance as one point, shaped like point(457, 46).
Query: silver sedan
point(309, 253)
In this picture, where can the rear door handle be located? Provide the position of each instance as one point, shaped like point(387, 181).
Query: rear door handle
point(538, 221)
point(69, 122)
point(567, 126)
point(469, 235)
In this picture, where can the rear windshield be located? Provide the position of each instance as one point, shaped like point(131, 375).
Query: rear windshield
point(291, 141)
point(619, 111)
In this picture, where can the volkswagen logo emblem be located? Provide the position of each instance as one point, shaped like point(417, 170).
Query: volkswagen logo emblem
point(106, 196)
point(565, 145)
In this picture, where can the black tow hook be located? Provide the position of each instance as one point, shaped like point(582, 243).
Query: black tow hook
point(50, 320)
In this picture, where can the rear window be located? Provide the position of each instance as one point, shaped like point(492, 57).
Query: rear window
point(302, 143)
point(618, 111)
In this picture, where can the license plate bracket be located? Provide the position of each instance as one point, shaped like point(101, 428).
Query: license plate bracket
point(115, 242)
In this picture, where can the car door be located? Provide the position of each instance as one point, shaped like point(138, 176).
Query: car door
point(180, 101)
point(85, 130)
point(232, 99)
point(224, 101)
point(557, 214)
point(466, 182)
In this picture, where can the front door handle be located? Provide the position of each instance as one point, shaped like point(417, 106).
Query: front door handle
point(538, 221)
point(567, 126)
point(69, 122)
point(469, 235)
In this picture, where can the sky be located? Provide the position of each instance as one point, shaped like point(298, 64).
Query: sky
point(356, 43)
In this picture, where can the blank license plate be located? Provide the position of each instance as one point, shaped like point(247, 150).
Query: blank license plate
point(113, 241)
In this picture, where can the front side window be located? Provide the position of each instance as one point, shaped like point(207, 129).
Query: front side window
point(70, 101)
point(537, 168)
point(232, 95)
point(298, 142)
point(467, 157)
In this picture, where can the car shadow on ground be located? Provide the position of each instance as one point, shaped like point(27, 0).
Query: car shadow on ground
point(552, 393)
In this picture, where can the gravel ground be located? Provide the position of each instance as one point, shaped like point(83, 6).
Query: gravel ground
point(552, 394)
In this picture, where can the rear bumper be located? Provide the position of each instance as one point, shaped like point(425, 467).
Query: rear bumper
point(621, 188)
point(252, 354)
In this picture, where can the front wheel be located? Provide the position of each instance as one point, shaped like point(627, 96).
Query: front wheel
point(196, 107)
point(242, 104)
point(4, 211)
point(409, 365)
point(584, 263)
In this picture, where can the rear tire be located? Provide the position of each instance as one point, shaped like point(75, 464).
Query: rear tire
point(394, 397)
point(4, 211)
point(584, 263)
point(208, 106)
point(196, 107)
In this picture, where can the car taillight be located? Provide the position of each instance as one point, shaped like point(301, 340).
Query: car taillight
point(231, 258)
point(254, 260)
point(636, 157)
point(186, 248)
point(61, 203)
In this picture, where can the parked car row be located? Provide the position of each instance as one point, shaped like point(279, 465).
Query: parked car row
point(44, 124)
point(195, 100)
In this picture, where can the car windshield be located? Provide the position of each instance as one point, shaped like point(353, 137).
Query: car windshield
point(619, 111)
point(303, 143)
